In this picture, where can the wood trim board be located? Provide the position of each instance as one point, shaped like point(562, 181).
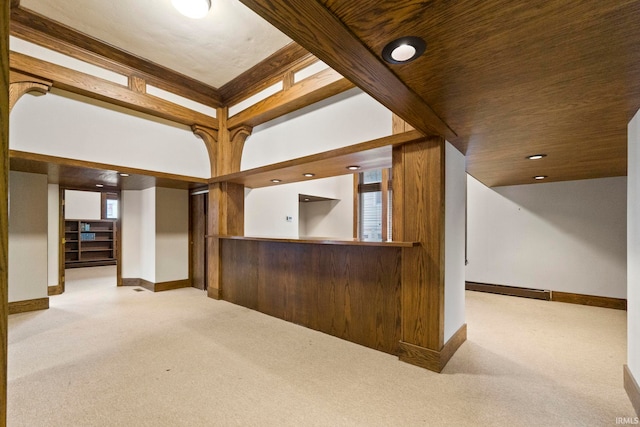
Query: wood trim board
point(4, 203)
point(592, 300)
point(431, 359)
point(508, 290)
point(16, 307)
point(157, 287)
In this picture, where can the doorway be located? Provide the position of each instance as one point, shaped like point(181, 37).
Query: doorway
point(198, 211)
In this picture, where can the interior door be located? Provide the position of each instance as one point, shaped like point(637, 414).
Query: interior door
point(198, 213)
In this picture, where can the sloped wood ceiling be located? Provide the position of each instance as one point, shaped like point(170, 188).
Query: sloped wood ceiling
point(509, 79)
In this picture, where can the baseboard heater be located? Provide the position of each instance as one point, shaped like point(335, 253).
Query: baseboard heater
point(509, 290)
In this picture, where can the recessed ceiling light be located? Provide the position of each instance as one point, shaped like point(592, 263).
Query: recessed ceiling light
point(124, 174)
point(306, 200)
point(353, 168)
point(540, 177)
point(275, 181)
point(309, 175)
point(536, 156)
point(99, 185)
point(195, 9)
point(403, 50)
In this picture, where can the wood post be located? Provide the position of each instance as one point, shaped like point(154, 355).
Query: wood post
point(4, 205)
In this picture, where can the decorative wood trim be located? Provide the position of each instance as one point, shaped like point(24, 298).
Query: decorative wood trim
point(632, 389)
point(61, 233)
point(104, 90)
point(266, 73)
point(318, 30)
point(509, 290)
point(4, 203)
point(431, 359)
point(320, 241)
point(309, 91)
point(16, 307)
point(356, 204)
point(63, 161)
point(137, 84)
point(43, 31)
point(592, 300)
point(210, 138)
point(17, 89)
point(372, 154)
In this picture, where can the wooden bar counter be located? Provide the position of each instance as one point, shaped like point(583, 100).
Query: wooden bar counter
point(348, 289)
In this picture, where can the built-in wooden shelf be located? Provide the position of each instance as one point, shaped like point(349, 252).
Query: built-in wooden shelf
point(320, 241)
point(374, 154)
point(98, 250)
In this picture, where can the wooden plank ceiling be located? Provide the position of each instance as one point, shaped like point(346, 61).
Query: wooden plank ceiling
point(500, 79)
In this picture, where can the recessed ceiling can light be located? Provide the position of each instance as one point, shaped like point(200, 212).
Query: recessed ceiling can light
point(536, 156)
point(403, 50)
point(309, 175)
point(275, 181)
point(540, 177)
point(195, 9)
point(124, 174)
point(353, 168)
point(306, 200)
point(99, 185)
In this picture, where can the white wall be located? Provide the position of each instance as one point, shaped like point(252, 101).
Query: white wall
point(28, 220)
point(53, 235)
point(332, 218)
point(172, 234)
point(82, 204)
point(131, 233)
point(67, 125)
point(633, 248)
point(454, 226)
point(563, 236)
point(346, 119)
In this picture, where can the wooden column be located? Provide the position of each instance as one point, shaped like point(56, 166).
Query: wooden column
point(226, 200)
point(4, 206)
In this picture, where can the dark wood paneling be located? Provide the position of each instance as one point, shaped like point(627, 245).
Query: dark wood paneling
point(53, 35)
point(198, 230)
point(352, 292)
point(4, 203)
point(28, 305)
point(418, 208)
point(509, 290)
point(592, 300)
point(434, 360)
point(632, 389)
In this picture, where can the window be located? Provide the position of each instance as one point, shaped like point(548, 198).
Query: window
point(374, 205)
point(110, 207)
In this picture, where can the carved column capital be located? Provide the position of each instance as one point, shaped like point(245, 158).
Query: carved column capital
point(210, 138)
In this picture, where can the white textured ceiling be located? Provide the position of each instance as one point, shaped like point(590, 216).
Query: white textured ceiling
point(214, 50)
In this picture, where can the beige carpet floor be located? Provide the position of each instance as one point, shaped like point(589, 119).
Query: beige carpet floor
point(108, 356)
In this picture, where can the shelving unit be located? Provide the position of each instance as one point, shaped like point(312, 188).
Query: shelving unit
point(89, 242)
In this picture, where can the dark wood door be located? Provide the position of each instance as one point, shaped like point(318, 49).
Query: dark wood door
point(198, 241)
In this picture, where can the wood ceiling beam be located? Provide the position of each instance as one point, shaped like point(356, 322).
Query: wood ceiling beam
point(43, 31)
point(315, 28)
point(267, 72)
point(103, 90)
point(306, 92)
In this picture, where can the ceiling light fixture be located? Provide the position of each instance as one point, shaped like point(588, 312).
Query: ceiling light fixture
point(195, 9)
point(403, 50)
point(536, 156)
point(124, 174)
point(540, 177)
point(309, 175)
point(275, 181)
point(99, 185)
point(353, 168)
